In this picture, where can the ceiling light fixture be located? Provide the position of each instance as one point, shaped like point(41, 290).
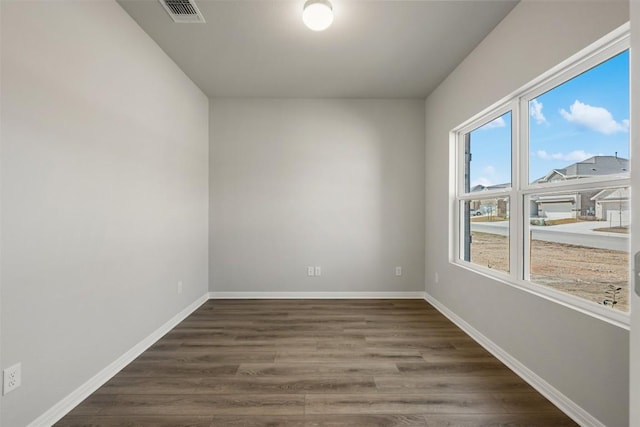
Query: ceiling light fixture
point(317, 14)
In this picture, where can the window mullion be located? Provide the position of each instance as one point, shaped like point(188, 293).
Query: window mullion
point(522, 160)
point(515, 205)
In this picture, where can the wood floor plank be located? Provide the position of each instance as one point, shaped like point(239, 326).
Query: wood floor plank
point(258, 421)
point(494, 420)
point(315, 363)
point(451, 384)
point(452, 350)
point(261, 345)
point(457, 357)
point(385, 420)
point(92, 405)
point(203, 404)
point(432, 420)
point(163, 369)
point(284, 337)
point(288, 384)
point(407, 325)
point(422, 346)
point(398, 403)
point(322, 421)
point(422, 343)
point(181, 356)
point(296, 369)
point(524, 401)
point(491, 367)
point(399, 333)
point(351, 356)
point(136, 421)
point(127, 384)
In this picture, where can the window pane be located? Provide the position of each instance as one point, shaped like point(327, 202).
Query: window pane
point(488, 159)
point(486, 233)
point(579, 244)
point(580, 129)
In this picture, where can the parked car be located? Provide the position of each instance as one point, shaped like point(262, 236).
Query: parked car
point(475, 212)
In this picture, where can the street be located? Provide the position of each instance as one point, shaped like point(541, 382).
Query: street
point(580, 234)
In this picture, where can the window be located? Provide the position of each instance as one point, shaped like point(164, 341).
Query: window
point(487, 175)
point(543, 184)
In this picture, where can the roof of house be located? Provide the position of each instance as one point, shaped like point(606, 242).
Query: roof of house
point(612, 195)
point(593, 166)
point(481, 187)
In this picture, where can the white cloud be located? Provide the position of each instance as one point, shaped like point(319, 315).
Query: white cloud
point(489, 170)
point(481, 181)
point(594, 118)
point(489, 177)
point(574, 156)
point(535, 109)
point(494, 124)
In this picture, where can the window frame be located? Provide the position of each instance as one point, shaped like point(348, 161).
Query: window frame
point(463, 196)
point(521, 189)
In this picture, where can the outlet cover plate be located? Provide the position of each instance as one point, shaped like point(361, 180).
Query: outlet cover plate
point(12, 378)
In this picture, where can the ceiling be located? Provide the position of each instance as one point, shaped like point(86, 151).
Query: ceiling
point(374, 49)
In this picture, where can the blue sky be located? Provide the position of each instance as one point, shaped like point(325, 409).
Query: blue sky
point(584, 117)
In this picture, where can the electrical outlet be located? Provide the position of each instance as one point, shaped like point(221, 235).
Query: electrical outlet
point(318, 271)
point(180, 287)
point(398, 271)
point(12, 377)
point(310, 271)
point(436, 277)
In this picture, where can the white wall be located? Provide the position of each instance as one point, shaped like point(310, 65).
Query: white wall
point(104, 197)
point(584, 358)
point(330, 182)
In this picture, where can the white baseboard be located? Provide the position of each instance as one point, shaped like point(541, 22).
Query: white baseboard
point(316, 295)
point(63, 407)
point(568, 406)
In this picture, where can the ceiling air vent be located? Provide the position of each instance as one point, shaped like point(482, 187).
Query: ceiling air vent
point(183, 11)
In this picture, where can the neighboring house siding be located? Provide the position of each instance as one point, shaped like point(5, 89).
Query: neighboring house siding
point(612, 205)
point(585, 204)
point(557, 210)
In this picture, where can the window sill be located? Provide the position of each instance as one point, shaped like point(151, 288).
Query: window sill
point(589, 308)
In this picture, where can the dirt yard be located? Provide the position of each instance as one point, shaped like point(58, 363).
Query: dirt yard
point(580, 271)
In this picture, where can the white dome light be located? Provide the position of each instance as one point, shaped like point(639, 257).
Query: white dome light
point(317, 14)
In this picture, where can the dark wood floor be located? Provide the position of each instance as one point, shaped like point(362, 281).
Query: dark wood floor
point(316, 363)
